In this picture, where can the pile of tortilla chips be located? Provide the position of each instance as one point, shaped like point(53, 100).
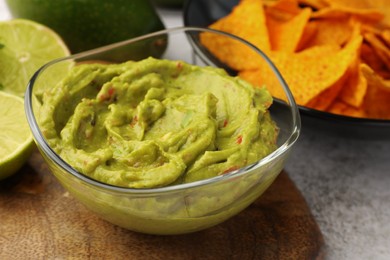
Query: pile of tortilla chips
point(333, 54)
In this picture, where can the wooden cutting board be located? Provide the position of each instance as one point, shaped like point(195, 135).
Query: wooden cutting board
point(40, 220)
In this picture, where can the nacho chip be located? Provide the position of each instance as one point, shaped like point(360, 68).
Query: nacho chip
point(386, 37)
point(286, 30)
point(283, 9)
point(357, 6)
point(263, 77)
point(340, 108)
point(371, 58)
point(355, 87)
point(314, 4)
point(385, 74)
point(307, 73)
point(371, 28)
point(371, 15)
point(376, 102)
point(247, 20)
point(330, 31)
point(267, 2)
point(375, 79)
point(379, 47)
point(309, 33)
point(323, 100)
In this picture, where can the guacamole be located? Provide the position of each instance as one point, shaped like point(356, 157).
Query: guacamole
point(155, 122)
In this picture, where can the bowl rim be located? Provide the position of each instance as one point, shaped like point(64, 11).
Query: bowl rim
point(342, 118)
point(48, 151)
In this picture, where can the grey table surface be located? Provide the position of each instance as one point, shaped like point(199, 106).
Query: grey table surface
point(345, 182)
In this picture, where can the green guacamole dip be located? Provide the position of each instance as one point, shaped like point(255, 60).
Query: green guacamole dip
point(156, 123)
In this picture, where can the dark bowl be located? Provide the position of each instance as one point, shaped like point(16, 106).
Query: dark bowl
point(202, 13)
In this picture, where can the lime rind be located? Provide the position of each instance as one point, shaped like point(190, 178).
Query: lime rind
point(14, 162)
point(16, 140)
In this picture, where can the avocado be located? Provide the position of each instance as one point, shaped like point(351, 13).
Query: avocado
point(88, 24)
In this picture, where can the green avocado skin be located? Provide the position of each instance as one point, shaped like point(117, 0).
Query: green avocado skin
point(88, 24)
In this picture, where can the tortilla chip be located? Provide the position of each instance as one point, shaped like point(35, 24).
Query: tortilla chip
point(309, 33)
point(247, 20)
point(379, 47)
point(381, 6)
point(330, 31)
point(323, 100)
point(355, 4)
point(263, 77)
point(369, 56)
point(376, 102)
point(385, 34)
point(371, 28)
point(283, 8)
point(286, 31)
point(374, 79)
point(355, 88)
point(385, 74)
point(340, 108)
point(371, 15)
point(269, 2)
point(314, 4)
point(307, 73)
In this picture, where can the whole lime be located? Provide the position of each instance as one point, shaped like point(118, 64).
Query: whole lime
point(87, 24)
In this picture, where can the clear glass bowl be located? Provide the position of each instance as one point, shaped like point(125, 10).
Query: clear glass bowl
point(175, 209)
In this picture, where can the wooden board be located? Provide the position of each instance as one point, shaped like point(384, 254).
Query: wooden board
point(40, 220)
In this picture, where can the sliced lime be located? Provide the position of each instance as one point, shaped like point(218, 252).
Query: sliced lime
point(16, 143)
point(24, 47)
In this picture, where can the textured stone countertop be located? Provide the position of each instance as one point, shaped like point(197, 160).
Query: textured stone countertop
point(346, 182)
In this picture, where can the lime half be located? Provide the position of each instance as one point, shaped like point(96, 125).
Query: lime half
point(16, 143)
point(24, 47)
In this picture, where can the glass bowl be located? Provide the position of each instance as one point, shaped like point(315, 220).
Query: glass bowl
point(174, 209)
